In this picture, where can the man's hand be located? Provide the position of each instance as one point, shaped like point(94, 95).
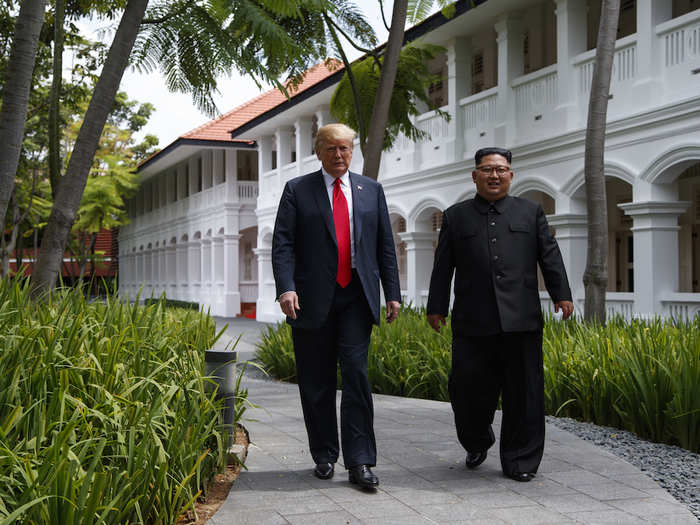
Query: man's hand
point(436, 321)
point(567, 308)
point(289, 303)
point(392, 310)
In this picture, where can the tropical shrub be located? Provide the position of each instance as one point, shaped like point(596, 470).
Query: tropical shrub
point(642, 376)
point(105, 413)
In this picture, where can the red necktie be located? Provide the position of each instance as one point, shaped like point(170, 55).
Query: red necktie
point(341, 219)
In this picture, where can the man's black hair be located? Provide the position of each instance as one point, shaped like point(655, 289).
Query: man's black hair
point(483, 152)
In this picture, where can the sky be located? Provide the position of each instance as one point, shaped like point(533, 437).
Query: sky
point(175, 114)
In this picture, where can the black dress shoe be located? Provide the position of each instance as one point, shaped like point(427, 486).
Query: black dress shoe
point(363, 476)
point(474, 459)
point(323, 470)
point(521, 476)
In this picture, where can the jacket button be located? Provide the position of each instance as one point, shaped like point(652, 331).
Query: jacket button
point(495, 257)
point(493, 241)
point(493, 224)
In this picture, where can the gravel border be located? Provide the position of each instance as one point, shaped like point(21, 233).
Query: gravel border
point(674, 468)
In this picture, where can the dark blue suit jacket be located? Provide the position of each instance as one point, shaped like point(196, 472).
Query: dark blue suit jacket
point(305, 253)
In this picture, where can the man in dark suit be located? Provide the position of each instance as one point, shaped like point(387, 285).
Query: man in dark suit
point(494, 242)
point(331, 247)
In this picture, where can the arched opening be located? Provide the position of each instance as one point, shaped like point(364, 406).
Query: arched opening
point(689, 233)
point(620, 237)
point(548, 205)
point(248, 271)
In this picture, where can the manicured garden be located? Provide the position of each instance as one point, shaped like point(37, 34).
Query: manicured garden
point(642, 376)
point(105, 413)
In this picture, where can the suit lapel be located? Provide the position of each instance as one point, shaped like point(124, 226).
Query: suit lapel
point(321, 195)
point(358, 202)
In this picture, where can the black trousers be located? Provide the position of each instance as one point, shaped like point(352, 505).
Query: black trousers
point(343, 338)
point(507, 365)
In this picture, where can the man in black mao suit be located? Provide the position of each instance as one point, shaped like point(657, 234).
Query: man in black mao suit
point(331, 247)
point(494, 243)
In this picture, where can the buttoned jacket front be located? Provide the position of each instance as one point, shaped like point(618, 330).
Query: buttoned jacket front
point(493, 251)
point(305, 253)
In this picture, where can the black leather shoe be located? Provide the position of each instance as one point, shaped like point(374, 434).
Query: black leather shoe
point(474, 459)
point(363, 476)
point(521, 476)
point(323, 470)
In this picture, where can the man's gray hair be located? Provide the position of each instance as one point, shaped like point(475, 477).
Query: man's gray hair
point(333, 132)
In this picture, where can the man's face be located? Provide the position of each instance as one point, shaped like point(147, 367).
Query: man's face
point(492, 177)
point(335, 156)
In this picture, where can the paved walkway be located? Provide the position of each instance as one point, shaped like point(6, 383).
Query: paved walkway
point(422, 475)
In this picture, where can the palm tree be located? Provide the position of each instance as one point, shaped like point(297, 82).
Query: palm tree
point(372, 154)
point(262, 38)
point(595, 276)
point(16, 93)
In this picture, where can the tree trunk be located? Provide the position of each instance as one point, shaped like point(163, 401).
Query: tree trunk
point(72, 184)
point(595, 276)
point(54, 112)
point(16, 93)
point(372, 152)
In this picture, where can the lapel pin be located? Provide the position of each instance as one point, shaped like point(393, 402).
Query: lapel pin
point(359, 187)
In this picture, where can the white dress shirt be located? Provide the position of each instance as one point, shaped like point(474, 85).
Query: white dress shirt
point(347, 191)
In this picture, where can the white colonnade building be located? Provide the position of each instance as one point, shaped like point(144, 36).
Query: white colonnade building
point(516, 74)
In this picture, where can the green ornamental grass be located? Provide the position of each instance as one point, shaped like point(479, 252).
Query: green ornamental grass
point(105, 414)
point(642, 376)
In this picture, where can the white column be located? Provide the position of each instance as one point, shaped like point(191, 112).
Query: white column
point(163, 272)
point(155, 271)
point(148, 274)
point(304, 146)
point(217, 272)
point(572, 237)
point(171, 256)
point(459, 81)
point(140, 271)
point(571, 41)
point(181, 181)
point(206, 271)
point(655, 232)
point(183, 291)
point(419, 264)
point(232, 294)
point(510, 66)
point(194, 268)
point(231, 174)
point(323, 116)
point(266, 307)
point(268, 186)
point(283, 139)
point(650, 13)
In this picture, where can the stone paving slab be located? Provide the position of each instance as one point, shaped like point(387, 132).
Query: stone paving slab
point(423, 479)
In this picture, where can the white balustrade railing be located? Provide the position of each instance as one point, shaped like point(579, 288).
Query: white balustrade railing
point(619, 304)
point(682, 306)
point(247, 190)
point(433, 124)
point(248, 291)
point(536, 90)
point(480, 109)
point(624, 64)
point(289, 171)
point(310, 164)
point(681, 39)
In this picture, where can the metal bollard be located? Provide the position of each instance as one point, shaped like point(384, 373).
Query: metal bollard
point(220, 365)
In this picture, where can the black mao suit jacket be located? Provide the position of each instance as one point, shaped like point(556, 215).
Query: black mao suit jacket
point(305, 253)
point(495, 266)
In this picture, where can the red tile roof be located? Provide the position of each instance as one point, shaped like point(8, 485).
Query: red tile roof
point(221, 127)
